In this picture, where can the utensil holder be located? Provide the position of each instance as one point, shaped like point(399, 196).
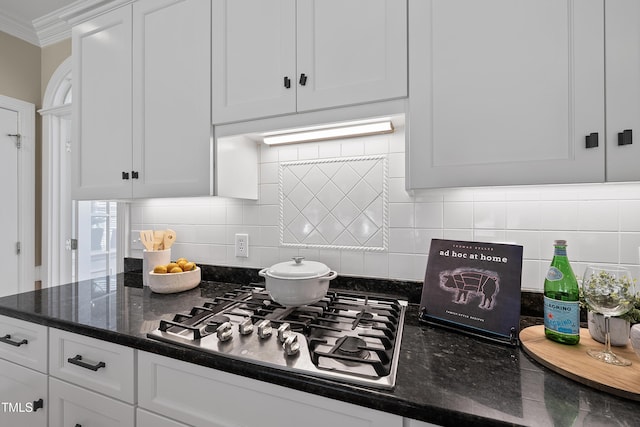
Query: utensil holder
point(152, 258)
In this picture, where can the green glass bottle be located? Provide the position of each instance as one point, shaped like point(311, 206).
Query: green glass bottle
point(561, 299)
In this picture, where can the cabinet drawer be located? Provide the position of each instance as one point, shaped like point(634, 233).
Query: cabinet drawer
point(72, 406)
point(201, 396)
point(98, 365)
point(24, 343)
point(23, 393)
point(149, 419)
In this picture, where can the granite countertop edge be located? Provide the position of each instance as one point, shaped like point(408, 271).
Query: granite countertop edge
point(424, 389)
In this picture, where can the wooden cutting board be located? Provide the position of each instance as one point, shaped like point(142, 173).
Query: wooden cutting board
point(573, 362)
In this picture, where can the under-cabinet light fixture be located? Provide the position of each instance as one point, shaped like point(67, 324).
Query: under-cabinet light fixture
point(323, 133)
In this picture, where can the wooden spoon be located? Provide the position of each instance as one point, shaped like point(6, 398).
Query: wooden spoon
point(169, 238)
point(146, 237)
point(158, 237)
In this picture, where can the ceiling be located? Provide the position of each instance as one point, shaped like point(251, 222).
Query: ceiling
point(17, 18)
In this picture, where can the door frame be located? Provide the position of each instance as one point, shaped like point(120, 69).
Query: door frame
point(26, 189)
point(56, 201)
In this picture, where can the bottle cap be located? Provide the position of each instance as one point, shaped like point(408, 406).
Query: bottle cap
point(559, 243)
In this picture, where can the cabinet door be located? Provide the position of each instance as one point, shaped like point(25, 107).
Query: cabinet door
point(24, 343)
point(101, 145)
point(351, 51)
point(200, 396)
point(102, 366)
point(149, 419)
point(22, 391)
point(505, 92)
point(253, 50)
point(171, 98)
point(623, 88)
point(72, 406)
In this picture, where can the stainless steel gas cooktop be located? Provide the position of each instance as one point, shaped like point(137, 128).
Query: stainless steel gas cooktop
point(346, 337)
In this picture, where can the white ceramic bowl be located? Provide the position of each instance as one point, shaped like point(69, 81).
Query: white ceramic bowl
point(169, 283)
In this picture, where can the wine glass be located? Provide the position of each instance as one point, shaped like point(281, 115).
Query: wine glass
point(609, 291)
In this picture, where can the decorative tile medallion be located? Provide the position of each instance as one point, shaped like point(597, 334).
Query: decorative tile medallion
point(336, 203)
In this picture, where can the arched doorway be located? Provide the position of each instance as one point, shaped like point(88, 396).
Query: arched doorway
point(56, 198)
point(80, 239)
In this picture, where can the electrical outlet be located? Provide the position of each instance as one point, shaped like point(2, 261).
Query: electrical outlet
point(136, 243)
point(242, 245)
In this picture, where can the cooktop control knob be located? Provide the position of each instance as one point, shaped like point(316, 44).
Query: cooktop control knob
point(284, 331)
point(291, 345)
point(224, 332)
point(264, 329)
point(246, 326)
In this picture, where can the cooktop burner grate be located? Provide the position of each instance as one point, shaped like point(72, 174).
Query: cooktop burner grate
point(344, 336)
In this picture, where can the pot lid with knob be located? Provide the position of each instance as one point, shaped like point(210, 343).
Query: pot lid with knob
point(297, 269)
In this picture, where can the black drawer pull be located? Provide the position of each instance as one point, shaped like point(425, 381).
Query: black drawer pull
point(592, 140)
point(303, 79)
point(78, 362)
point(287, 82)
point(78, 425)
point(125, 175)
point(625, 137)
point(7, 340)
point(38, 404)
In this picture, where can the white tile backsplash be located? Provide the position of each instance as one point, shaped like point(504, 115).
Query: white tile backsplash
point(600, 221)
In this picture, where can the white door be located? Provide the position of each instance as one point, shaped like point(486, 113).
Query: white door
point(10, 219)
point(350, 52)
point(102, 106)
point(623, 89)
point(171, 98)
point(505, 92)
point(254, 59)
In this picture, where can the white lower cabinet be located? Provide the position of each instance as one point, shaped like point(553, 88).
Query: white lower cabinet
point(408, 422)
point(201, 396)
point(76, 406)
point(23, 396)
point(149, 419)
point(24, 343)
point(98, 365)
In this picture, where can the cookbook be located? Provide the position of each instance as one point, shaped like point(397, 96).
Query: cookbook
point(474, 287)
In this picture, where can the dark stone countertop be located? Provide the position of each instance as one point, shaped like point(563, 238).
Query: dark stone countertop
point(444, 377)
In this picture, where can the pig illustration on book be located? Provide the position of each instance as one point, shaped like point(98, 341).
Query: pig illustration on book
point(466, 283)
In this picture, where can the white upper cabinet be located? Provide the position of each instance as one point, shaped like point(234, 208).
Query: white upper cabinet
point(623, 89)
point(274, 57)
point(142, 101)
point(505, 92)
point(254, 54)
point(171, 97)
point(101, 147)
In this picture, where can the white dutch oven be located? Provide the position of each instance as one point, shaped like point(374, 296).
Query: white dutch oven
point(295, 283)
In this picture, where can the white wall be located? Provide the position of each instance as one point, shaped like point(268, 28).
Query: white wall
point(601, 222)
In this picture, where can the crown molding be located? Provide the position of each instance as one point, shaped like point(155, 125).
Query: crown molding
point(17, 29)
point(56, 26)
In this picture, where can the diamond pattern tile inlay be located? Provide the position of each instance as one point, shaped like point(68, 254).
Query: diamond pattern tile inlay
point(335, 203)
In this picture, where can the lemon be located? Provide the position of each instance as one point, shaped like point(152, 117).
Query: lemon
point(181, 263)
point(175, 269)
point(181, 259)
point(160, 269)
point(171, 266)
point(189, 266)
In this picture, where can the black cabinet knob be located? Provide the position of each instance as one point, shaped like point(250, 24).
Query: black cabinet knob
point(303, 79)
point(38, 404)
point(592, 140)
point(625, 137)
point(125, 175)
point(287, 82)
point(134, 174)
